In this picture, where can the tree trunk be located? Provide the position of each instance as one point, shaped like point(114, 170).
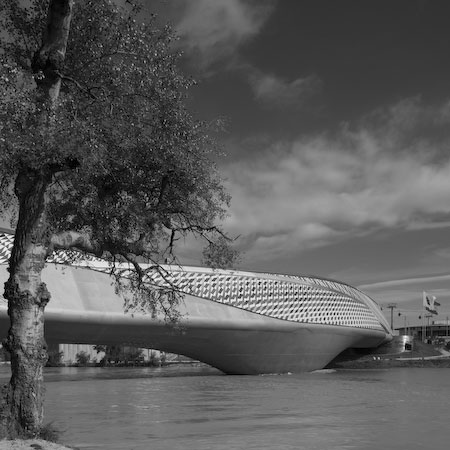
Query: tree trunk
point(49, 59)
point(27, 297)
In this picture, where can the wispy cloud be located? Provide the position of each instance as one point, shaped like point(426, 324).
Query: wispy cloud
point(406, 294)
point(421, 281)
point(274, 91)
point(320, 189)
point(213, 30)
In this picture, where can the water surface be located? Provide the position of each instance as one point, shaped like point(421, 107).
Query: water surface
point(115, 409)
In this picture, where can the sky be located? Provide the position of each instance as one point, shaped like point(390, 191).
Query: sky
point(337, 136)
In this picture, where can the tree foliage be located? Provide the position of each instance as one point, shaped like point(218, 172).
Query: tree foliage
point(219, 254)
point(131, 169)
point(98, 153)
point(132, 166)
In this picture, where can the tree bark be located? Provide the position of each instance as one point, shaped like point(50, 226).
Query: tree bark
point(27, 295)
point(49, 59)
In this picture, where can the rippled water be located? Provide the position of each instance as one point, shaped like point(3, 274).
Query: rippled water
point(114, 409)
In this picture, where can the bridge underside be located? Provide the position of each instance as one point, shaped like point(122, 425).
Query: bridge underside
point(85, 309)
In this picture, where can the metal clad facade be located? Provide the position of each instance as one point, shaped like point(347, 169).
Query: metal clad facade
point(293, 298)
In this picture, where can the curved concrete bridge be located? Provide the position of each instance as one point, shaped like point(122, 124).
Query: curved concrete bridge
point(239, 322)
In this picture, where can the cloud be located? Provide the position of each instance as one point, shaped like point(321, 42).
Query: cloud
point(407, 281)
point(214, 29)
point(425, 224)
point(443, 253)
point(273, 90)
point(407, 295)
point(316, 190)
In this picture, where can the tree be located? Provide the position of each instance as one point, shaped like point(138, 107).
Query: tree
point(82, 359)
point(118, 353)
point(54, 358)
point(219, 254)
point(98, 154)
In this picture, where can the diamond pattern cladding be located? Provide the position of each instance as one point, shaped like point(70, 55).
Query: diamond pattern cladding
point(6, 242)
point(298, 299)
point(293, 298)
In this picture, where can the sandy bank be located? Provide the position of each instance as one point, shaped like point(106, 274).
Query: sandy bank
point(31, 444)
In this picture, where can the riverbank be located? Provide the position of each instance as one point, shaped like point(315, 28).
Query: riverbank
point(31, 444)
point(420, 355)
point(385, 363)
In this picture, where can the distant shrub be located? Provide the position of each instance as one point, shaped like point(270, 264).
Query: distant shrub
point(4, 354)
point(54, 358)
point(154, 360)
point(49, 433)
point(120, 354)
point(82, 359)
point(132, 354)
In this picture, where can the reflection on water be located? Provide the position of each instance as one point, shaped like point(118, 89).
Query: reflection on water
point(390, 409)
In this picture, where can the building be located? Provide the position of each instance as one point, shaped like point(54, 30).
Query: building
point(240, 322)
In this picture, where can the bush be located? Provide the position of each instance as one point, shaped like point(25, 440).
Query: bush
point(132, 355)
point(82, 359)
point(54, 358)
point(4, 354)
point(49, 432)
point(120, 354)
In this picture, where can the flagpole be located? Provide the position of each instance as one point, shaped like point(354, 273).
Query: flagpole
point(446, 331)
point(423, 316)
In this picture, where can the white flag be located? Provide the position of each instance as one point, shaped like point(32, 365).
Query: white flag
point(429, 303)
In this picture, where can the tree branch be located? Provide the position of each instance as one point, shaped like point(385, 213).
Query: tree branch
point(76, 83)
point(74, 240)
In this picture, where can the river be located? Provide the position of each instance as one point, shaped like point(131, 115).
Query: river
point(199, 408)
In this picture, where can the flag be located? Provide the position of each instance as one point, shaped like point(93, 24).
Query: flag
point(430, 303)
